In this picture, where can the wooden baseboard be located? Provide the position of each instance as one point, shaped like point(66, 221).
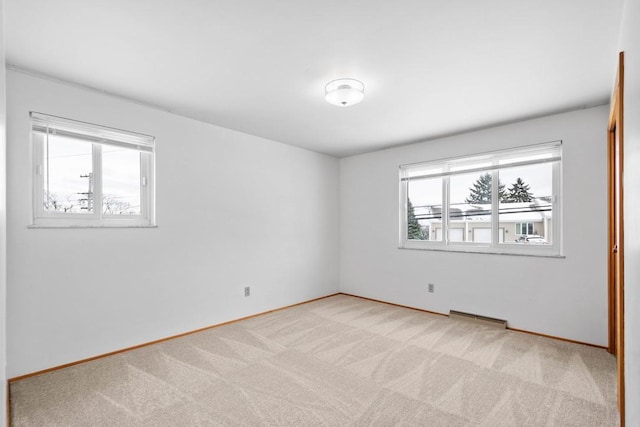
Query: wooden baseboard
point(100, 356)
point(524, 331)
point(394, 304)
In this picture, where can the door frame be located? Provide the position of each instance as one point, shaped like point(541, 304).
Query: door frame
point(615, 151)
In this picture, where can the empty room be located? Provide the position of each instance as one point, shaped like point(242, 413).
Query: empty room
point(338, 213)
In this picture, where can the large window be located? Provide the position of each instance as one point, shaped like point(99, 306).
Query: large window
point(501, 202)
point(88, 175)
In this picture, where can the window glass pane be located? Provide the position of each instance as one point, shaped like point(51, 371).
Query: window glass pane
point(470, 207)
point(68, 175)
point(525, 211)
point(120, 181)
point(424, 209)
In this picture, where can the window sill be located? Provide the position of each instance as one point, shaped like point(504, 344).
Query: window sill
point(484, 252)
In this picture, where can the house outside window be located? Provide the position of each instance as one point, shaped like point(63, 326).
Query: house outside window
point(501, 202)
point(88, 175)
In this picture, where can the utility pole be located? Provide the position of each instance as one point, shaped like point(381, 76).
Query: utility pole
point(88, 195)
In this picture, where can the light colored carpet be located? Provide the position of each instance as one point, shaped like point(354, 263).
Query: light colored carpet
point(339, 361)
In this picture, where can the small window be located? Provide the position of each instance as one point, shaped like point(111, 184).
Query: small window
point(88, 175)
point(524, 228)
point(500, 202)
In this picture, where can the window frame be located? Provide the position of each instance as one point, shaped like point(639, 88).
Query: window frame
point(98, 137)
point(554, 249)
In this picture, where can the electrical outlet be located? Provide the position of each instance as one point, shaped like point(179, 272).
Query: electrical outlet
point(247, 291)
point(431, 287)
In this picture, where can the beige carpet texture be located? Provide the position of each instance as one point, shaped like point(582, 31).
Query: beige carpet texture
point(338, 361)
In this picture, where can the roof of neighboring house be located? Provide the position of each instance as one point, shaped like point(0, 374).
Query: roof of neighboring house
point(534, 211)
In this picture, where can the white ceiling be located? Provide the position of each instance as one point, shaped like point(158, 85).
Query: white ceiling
point(430, 67)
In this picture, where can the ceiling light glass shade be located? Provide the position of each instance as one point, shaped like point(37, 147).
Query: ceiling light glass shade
point(344, 92)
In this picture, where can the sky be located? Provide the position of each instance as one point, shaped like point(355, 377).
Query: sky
point(69, 159)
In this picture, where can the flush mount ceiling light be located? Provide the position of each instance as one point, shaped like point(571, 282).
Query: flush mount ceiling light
point(344, 92)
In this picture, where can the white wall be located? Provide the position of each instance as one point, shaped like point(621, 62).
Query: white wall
point(3, 228)
point(630, 44)
point(233, 210)
point(562, 297)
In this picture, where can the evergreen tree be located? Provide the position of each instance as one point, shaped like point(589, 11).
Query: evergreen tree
point(414, 230)
point(480, 193)
point(519, 192)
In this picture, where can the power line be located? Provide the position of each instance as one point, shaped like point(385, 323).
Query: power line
point(481, 212)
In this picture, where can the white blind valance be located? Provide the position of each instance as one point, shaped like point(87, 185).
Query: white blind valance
point(52, 125)
point(523, 156)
